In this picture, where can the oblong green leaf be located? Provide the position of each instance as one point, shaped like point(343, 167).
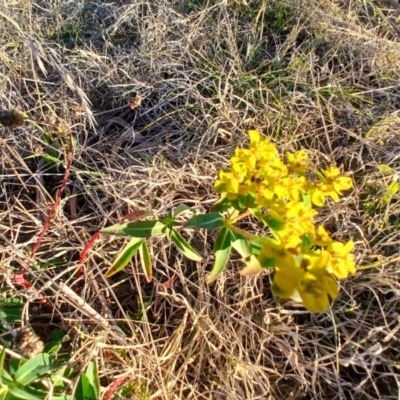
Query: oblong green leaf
point(253, 267)
point(2, 357)
point(34, 369)
point(222, 250)
point(240, 244)
point(222, 205)
point(385, 168)
point(125, 256)
point(19, 392)
point(390, 192)
point(146, 262)
point(138, 229)
point(206, 221)
point(180, 209)
point(85, 389)
point(256, 244)
point(184, 247)
point(93, 377)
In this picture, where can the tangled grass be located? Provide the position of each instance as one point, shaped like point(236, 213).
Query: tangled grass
point(316, 75)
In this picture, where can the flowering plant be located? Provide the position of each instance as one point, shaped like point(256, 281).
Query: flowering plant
point(281, 196)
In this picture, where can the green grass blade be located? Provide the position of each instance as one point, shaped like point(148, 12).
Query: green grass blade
point(206, 221)
point(222, 250)
point(18, 392)
point(184, 247)
point(146, 262)
point(34, 369)
point(138, 229)
point(125, 256)
point(390, 192)
point(2, 357)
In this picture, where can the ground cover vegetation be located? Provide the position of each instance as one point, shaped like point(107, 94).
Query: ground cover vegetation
point(127, 110)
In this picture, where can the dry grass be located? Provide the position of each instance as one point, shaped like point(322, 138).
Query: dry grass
point(321, 75)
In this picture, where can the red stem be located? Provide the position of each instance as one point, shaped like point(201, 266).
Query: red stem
point(114, 386)
point(58, 195)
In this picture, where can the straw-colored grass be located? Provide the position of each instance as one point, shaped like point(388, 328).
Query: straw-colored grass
point(320, 75)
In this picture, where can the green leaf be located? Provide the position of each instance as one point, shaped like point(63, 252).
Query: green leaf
point(18, 392)
point(306, 198)
point(206, 221)
point(138, 229)
point(274, 223)
point(180, 209)
point(2, 357)
point(256, 244)
point(85, 390)
point(53, 345)
point(252, 267)
point(385, 168)
point(14, 364)
point(125, 256)
point(183, 246)
point(271, 222)
point(34, 369)
point(240, 244)
point(222, 205)
point(145, 260)
point(390, 192)
point(11, 309)
point(244, 201)
point(49, 159)
point(222, 250)
point(93, 377)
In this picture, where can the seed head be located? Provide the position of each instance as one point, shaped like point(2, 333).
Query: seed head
point(11, 118)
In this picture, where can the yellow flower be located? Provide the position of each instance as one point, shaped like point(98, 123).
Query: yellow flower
point(298, 162)
point(332, 185)
point(273, 254)
point(342, 183)
point(289, 188)
point(289, 238)
point(300, 217)
point(261, 146)
point(311, 285)
point(322, 237)
point(316, 289)
point(341, 262)
point(243, 163)
point(228, 183)
point(331, 172)
point(339, 182)
point(286, 281)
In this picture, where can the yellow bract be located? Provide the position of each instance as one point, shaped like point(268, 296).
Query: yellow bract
point(342, 262)
point(305, 258)
point(332, 186)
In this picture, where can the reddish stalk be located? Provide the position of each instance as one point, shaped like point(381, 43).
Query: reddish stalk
point(57, 200)
point(114, 386)
point(20, 277)
point(88, 246)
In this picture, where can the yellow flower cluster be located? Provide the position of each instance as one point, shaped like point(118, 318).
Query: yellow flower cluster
point(305, 258)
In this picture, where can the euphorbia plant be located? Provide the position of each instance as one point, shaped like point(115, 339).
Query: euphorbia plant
point(282, 197)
